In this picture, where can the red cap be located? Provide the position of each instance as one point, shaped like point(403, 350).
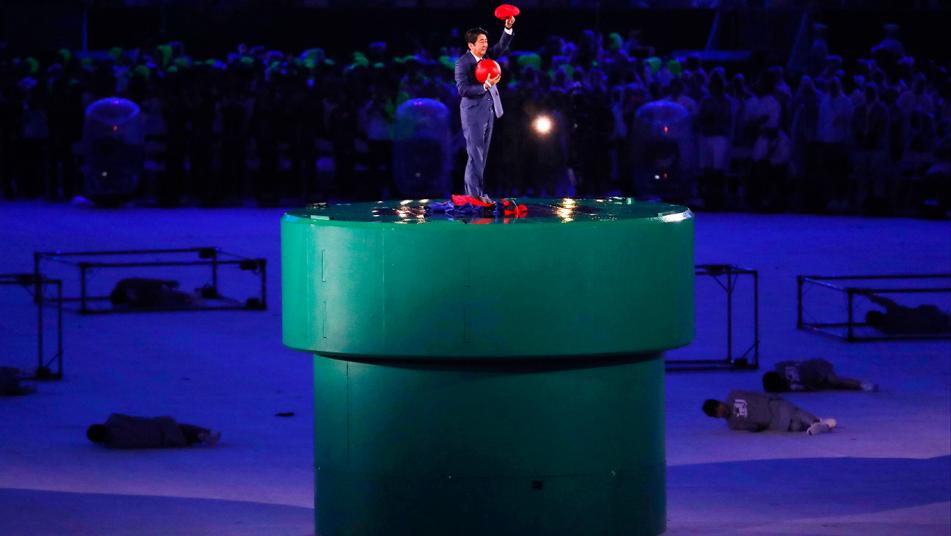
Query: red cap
point(505, 11)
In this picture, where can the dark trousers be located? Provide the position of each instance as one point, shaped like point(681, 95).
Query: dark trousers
point(477, 148)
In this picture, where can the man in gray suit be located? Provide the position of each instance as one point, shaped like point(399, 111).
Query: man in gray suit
point(480, 104)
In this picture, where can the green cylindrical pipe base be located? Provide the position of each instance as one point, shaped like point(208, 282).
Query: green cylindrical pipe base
point(489, 374)
point(513, 447)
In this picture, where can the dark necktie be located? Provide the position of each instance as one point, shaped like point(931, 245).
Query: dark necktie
point(496, 101)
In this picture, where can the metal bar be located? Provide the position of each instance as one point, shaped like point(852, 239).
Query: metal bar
point(39, 287)
point(59, 329)
point(88, 298)
point(707, 269)
point(238, 306)
point(799, 282)
point(730, 285)
point(214, 271)
point(884, 276)
point(36, 277)
point(909, 337)
point(746, 352)
point(119, 252)
point(823, 284)
point(928, 290)
point(756, 318)
point(82, 288)
point(851, 299)
point(699, 361)
point(827, 333)
point(829, 324)
point(680, 367)
point(157, 263)
point(880, 338)
point(823, 326)
point(263, 264)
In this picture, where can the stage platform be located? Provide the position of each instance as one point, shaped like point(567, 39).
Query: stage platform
point(885, 470)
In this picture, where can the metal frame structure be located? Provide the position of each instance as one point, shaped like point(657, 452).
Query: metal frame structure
point(749, 359)
point(36, 286)
point(834, 329)
point(211, 257)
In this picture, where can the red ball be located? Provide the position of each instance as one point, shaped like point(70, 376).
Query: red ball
point(487, 68)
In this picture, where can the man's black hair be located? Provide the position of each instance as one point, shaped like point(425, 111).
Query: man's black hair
point(774, 383)
point(710, 407)
point(472, 34)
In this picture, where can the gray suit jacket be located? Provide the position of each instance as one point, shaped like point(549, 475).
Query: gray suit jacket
point(476, 104)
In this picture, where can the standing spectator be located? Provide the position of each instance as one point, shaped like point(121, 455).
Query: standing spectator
point(916, 98)
point(343, 132)
point(781, 92)
point(234, 108)
point(745, 129)
point(767, 186)
point(818, 50)
point(919, 155)
point(804, 137)
point(835, 113)
point(676, 93)
point(713, 124)
point(870, 160)
point(376, 124)
point(34, 138)
point(895, 140)
point(265, 128)
point(10, 115)
point(593, 125)
point(66, 126)
point(621, 157)
point(309, 127)
point(889, 50)
point(176, 116)
point(201, 149)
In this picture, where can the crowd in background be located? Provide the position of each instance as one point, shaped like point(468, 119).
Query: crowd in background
point(833, 134)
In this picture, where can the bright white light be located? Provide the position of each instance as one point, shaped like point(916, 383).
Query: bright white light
point(406, 202)
point(542, 124)
point(676, 216)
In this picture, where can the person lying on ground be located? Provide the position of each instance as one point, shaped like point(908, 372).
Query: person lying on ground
point(899, 319)
point(755, 412)
point(129, 432)
point(810, 375)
